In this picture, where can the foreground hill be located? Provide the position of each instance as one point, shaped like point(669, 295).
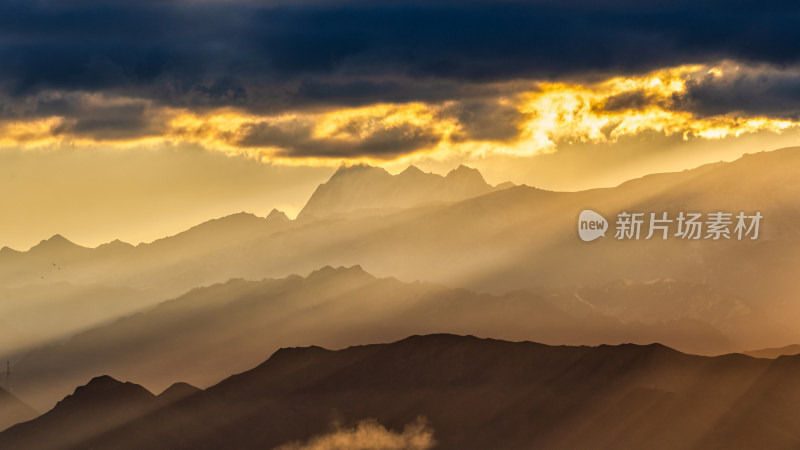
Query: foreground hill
point(472, 393)
point(208, 333)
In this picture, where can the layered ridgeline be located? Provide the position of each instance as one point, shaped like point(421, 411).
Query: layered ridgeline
point(206, 334)
point(446, 391)
point(496, 240)
point(58, 288)
point(788, 350)
point(117, 278)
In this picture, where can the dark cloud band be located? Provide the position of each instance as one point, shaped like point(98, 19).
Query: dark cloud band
point(247, 53)
point(295, 140)
point(121, 70)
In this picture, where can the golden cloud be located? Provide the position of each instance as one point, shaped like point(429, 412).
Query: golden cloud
point(551, 113)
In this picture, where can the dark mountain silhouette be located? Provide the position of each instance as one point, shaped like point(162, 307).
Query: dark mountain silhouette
point(209, 333)
point(363, 187)
point(474, 394)
point(13, 410)
point(773, 353)
point(102, 404)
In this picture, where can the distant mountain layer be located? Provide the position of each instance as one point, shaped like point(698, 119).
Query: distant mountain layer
point(773, 353)
point(13, 410)
point(364, 187)
point(471, 393)
point(518, 237)
point(191, 338)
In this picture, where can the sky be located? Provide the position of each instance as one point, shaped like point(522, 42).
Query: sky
point(138, 119)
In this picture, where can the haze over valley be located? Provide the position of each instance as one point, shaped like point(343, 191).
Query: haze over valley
point(374, 271)
point(416, 225)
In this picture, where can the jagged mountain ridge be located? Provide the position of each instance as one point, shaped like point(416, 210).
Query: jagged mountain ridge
point(362, 187)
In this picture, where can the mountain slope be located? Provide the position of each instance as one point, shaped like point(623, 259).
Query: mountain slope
point(102, 404)
point(13, 410)
point(765, 416)
point(475, 394)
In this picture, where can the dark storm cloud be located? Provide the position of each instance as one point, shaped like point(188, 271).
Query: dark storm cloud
point(296, 141)
point(113, 123)
point(365, 91)
point(270, 135)
point(747, 92)
point(93, 115)
point(278, 55)
point(635, 100)
point(485, 121)
point(88, 115)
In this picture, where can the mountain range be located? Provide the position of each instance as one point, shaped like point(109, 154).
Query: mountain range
point(527, 239)
point(441, 253)
point(449, 391)
point(206, 334)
